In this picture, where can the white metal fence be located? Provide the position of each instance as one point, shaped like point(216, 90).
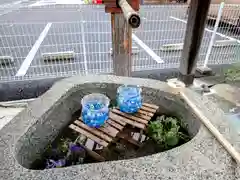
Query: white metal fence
point(32, 31)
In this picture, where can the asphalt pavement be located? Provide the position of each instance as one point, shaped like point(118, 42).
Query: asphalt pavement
point(28, 32)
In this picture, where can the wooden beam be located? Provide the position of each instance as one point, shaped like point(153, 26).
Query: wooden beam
point(121, 45)
point(195, 28)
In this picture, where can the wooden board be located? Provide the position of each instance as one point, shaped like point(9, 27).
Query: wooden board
point(123, 123)
point(153, 106)
point(108, 129)
point(126, 120)
point(129, 116)
point(149, 114)
point(148, 109)
point(93, 131)
point(103, 135)
point(115, 124)
point(89, 135)
point(139, 120)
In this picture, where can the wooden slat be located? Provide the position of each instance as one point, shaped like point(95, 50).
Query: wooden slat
point(133, 123)
point(140, 115)
point(134, 118)
point(153, 106)
point(146, 113)
point(148, 109)
point(93, 131)
point(115, 125)
point(89, 135)
point(123, 123)
point(111, 131)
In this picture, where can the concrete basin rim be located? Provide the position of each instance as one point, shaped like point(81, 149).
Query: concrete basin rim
point(155, 84)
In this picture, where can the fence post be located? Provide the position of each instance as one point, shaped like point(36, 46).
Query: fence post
point(214, 34)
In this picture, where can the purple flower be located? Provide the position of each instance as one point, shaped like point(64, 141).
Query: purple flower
point(76, 148)
point(54, 164)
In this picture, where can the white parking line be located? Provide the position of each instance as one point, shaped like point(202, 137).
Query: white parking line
point(55, 2)
point(28, 60)
point(147, 49)
point(208, 30)
point(9, 5)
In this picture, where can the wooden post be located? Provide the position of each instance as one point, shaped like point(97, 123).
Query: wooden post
point(195, 28)
point(121, 45)
point(124, 17)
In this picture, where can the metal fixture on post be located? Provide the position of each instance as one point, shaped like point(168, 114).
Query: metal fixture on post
point(124, 17)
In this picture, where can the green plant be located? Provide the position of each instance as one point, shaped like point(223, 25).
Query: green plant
point(233, 74)
point(166, 131)
point(63, 144)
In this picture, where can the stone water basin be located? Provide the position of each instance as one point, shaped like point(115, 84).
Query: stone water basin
point(23, 140)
